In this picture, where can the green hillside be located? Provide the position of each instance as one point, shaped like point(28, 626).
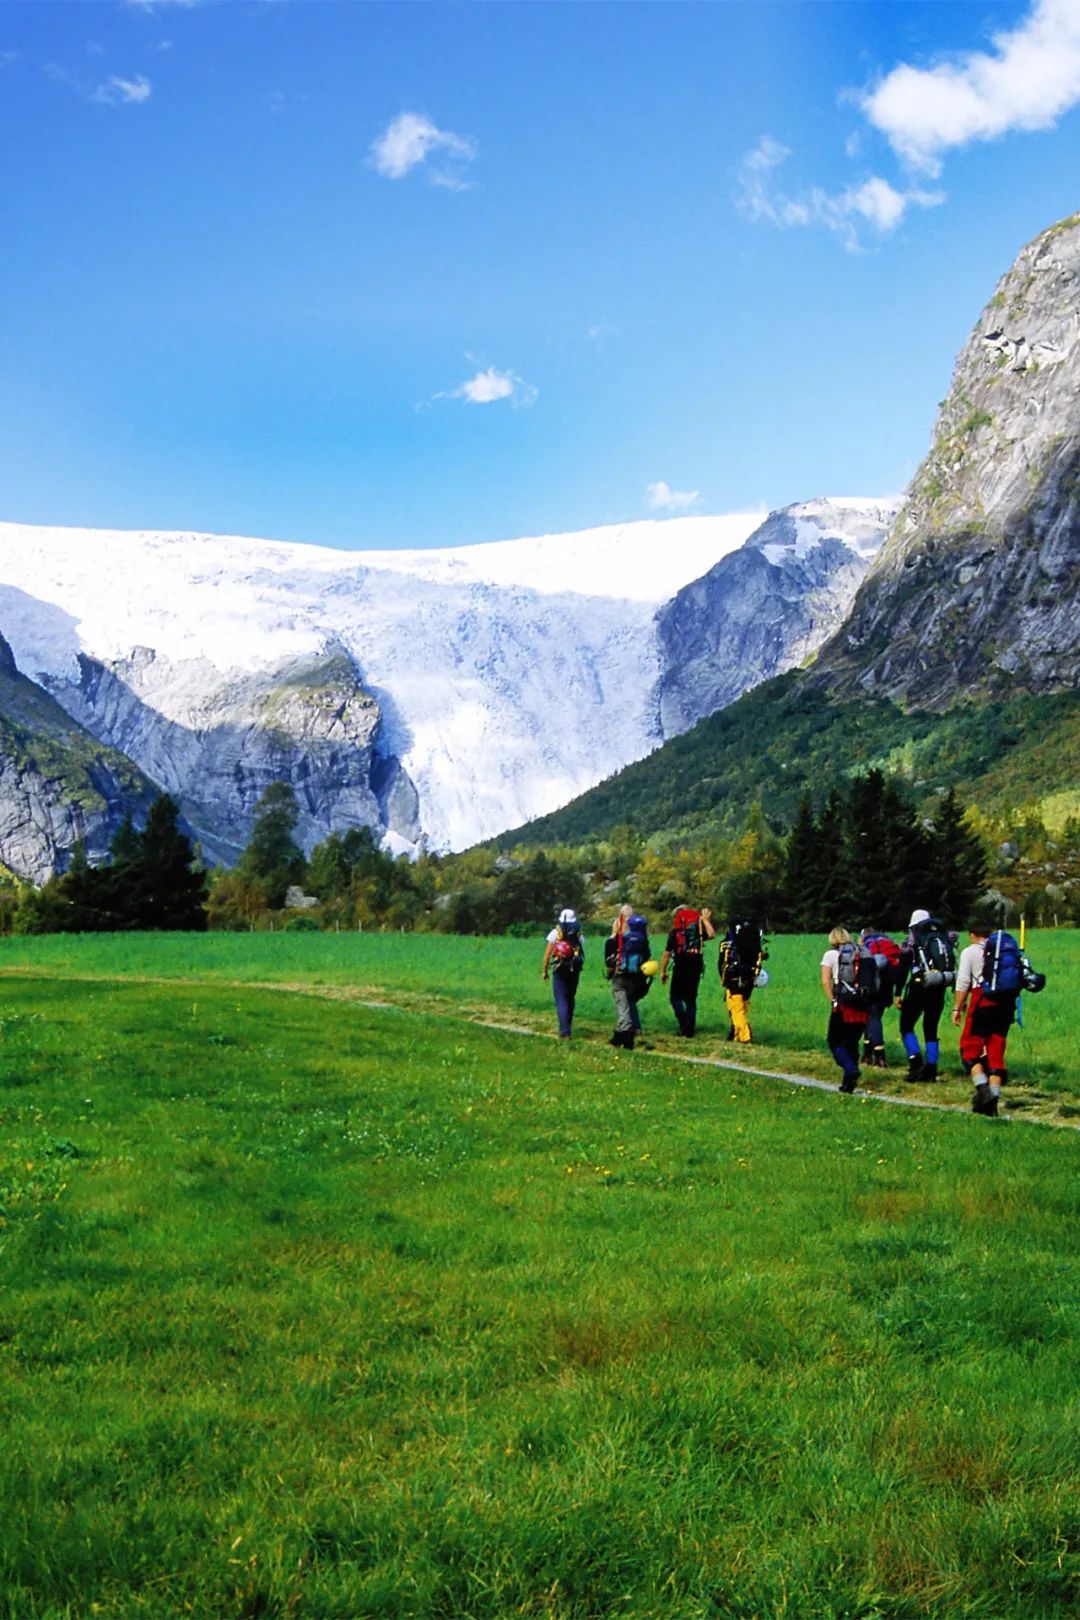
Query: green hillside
point(787, 738)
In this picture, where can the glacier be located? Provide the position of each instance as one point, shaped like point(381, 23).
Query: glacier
point(439, 695)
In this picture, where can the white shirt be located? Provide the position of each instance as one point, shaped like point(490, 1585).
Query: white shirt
point(554, 937)
point(969, 968)
point(831, 960)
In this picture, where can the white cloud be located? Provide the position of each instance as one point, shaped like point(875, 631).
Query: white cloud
point(873, 202)
point(117, 92)
point(662, 498)
point(410, 139)
point(487, 387)
point(1029, 78)
point(159, 5)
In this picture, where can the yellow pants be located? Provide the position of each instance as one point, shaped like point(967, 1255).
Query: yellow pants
point(737, 1007)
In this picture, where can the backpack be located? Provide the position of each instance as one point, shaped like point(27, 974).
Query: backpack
point(633, 944)
point(687, 932)
point(1003, 965)
point(569, 963)
point(934, 960)
point(741, 955)
point(886, 953)
point(859, 979)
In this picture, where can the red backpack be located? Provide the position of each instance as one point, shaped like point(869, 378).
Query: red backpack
point(687, 932)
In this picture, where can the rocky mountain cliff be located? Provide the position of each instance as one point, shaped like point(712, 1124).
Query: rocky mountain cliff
point(57, 782)
point(976, 589)
point(765, 608)
point(442, 695)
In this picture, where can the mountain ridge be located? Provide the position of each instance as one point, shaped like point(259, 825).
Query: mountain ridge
point(436, 697)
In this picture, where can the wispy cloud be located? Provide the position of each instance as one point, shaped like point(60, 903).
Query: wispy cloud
point(1026, 81)
point(114, 91)
point(161, 5)
point(410, 140)
point(487, 387)
point(662, 498)
point(872, 202)
point(117, 92)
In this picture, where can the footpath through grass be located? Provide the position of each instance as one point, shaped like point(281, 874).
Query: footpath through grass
point(322, 1310)
point(499, 980)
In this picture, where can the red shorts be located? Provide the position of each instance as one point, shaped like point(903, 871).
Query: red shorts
point(986, 1029)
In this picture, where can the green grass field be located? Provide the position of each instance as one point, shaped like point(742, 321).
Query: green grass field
point(324, 1309)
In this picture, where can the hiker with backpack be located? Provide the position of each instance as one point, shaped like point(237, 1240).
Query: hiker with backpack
point(849, 978)
point(626, 956)
point(683, 953)
point(564, 958)
point(886, 953)
point(992, 972)
point(742, 951)
point(928, 972)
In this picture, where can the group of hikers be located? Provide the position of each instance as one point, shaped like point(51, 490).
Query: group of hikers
point(862, 976)
point(631, 968)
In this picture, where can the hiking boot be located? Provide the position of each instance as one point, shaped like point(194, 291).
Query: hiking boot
point(867, 1054)
point(929, 1073)
point(914, 1069)
point(849, 1082)
point(991, 1109)
point(879, 1058)
point(981, 1099)
point(618, 1039)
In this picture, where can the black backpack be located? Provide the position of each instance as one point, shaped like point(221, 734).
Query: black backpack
point(934, 961)
point(859, 979)
point(742, 952)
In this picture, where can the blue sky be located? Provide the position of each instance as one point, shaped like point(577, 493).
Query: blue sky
point(427, 274)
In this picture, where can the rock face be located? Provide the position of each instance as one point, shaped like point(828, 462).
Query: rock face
point(976, 589)
point(307, 722)
point(765, 608)
point(57, 782)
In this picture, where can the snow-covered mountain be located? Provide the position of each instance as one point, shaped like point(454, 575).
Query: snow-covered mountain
point(442, 694)
point(766, 607)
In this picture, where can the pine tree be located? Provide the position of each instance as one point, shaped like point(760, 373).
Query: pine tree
point(839, 894)
point(802, 881)
point(166, 891)
point(956, 863)
point(272, 857)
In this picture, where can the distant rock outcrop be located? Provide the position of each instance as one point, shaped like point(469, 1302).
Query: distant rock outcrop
point(765, 608)
point(58, 784)
point(976, 590)
point(307, 721)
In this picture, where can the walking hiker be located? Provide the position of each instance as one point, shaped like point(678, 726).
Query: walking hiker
point(993, 971)
point(742, 951)
point(928, 965)
point(849, 978)
point(564, 958)
point(886, 953)
point(626, 954)
point(683, 952)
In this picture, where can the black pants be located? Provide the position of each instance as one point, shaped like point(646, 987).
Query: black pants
point(685, 983)
point(927, 1004)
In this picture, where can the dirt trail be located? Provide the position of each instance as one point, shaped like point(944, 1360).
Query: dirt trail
point(377, 998)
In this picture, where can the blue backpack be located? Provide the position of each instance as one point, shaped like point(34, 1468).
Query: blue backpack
point(635, 945)
point(1003, 965)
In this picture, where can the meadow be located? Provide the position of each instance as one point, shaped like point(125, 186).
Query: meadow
point(331, 1301)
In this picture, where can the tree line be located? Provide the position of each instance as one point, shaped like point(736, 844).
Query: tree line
point(867, 853)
